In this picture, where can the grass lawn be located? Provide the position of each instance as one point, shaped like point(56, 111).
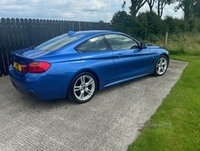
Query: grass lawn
point(176, 124)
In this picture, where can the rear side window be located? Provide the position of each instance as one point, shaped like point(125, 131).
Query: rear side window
point(93, 44)
point(57, 43)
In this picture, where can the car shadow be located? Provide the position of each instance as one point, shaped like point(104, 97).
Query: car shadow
point(32, 102)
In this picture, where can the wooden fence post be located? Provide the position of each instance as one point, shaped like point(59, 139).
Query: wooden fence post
point(166, 39)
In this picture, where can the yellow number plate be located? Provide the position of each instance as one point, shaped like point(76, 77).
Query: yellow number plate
point(17, 66)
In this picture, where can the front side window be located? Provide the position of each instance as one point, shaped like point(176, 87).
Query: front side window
point(120, 42)
point(93, 44)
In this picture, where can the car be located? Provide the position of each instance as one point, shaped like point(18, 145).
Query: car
point(78, 63)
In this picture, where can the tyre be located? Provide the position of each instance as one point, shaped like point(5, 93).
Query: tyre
point(82, 88)
point(161, 66)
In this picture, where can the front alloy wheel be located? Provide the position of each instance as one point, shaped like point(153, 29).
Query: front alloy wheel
point(83, 88)
point(161, 66)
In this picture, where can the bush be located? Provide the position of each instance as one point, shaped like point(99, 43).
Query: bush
point(148, 26)
point(145, 26)
point(175, 25)
point(194, 25)
point(123, 22)
point(153, 25)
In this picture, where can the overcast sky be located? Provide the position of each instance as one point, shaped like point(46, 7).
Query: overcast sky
point(81, 10)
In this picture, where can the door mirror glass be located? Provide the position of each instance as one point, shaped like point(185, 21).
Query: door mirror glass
point(143, 45)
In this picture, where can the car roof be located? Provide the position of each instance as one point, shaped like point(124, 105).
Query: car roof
point(91, 32)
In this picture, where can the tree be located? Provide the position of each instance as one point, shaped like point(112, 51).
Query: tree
point(162, 4)
point(151, 4)
point(197, 9)
point(135, 6)
point(188, 7)
point(123, 5)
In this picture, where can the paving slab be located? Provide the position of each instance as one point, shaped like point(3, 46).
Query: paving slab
point(109, 122)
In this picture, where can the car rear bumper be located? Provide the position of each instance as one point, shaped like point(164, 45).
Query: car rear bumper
point(43, 86)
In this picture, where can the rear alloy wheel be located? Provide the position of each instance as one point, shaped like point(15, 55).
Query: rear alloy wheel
point(161, 66)
point(82, 88)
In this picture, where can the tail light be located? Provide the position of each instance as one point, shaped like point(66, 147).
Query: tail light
point(36, 67)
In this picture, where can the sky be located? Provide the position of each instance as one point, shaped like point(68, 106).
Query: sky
point(81, 10)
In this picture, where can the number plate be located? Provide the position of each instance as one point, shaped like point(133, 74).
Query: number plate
point(17, 66)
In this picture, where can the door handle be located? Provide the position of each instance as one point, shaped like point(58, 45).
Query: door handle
point(119, 55)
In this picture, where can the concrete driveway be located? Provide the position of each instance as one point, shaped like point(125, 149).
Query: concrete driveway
point(111, 121)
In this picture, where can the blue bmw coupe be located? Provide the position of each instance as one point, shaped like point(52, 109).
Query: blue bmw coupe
point(77, 64)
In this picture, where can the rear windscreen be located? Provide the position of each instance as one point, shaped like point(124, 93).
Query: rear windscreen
point(57, 42)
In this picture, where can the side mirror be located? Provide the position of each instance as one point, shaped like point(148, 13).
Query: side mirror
point(143, 45)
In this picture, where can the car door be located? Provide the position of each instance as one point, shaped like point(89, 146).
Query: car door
point(98, 57)
point(129, 58)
